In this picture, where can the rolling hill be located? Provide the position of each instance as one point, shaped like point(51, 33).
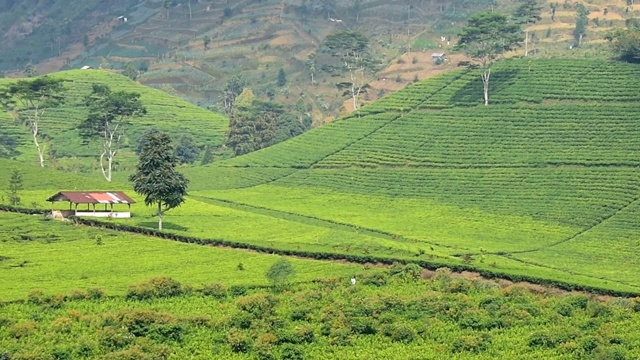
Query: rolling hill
point(545, 178)
point(59, 125)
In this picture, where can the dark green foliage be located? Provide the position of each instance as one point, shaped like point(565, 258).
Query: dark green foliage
point(15, 186)
point(582, 20)
point(207, 158)
point(187, 151)
point(282, 77)
point(253, 126)
point(159, 287)
point(140, 142)
point(156, 176)
point(471, 343)
point(239, 342)
point(131, 71)
point(260, 306)
point(281, 273)
point(291, 352)
point(217, 290)
point(206, 40)
point(626, 43)
point(232, 89)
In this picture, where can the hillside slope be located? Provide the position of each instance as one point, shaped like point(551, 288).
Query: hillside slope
point(548, 170)
point(165, 112)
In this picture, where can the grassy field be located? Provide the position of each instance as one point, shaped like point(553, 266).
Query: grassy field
point(165, 112)
point(394, 314)
point(55, 257)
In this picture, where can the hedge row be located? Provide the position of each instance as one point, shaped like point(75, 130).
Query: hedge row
point(359, 259)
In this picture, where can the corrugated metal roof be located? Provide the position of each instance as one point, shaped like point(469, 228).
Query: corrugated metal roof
point(93, 197)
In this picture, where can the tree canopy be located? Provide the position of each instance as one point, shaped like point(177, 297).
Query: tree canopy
point(109, 112)
point(486, 37)
point(156, 176)
point(626, 42)
point(28, 101)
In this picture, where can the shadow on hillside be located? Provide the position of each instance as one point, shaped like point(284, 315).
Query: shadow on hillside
point(165, 226)
point(472, 94)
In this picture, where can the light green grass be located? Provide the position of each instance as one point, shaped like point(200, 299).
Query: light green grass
point(57, 257)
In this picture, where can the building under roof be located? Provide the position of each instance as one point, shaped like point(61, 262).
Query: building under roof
point(93, 198)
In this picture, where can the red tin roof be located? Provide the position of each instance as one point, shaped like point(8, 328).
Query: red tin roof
point(93, 197)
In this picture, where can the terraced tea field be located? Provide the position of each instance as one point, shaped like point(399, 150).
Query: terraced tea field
point(547, 176)
point(543, 183)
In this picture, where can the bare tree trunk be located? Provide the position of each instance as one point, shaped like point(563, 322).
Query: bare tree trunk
point(579, 40)
point(159, 215)
point(485, 84)
point(189, 9)
point(34, 132)
point(526, 42)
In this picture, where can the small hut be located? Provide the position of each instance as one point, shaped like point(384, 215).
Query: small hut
point(439, 58)
point(93, 200)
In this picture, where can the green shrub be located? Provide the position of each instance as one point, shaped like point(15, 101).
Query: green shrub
point(375, 279)
point(158, 287)
point(543, 339)
point(239, 342)
point(564, 309)
point(300, 314)
point(96, 293)
point(38, 297)
point(401, 333)
point(578, 302)
point(238, 290)
point(260, 305)
point(364, 326)
point(241, 320)
point(291, 352)
point(471, 343)
point(22, 329)
point(305, 334)
point(114, 338)
point(218, 291)
point(78, 294)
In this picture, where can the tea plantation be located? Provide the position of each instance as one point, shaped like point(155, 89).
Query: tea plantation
point(542, 186)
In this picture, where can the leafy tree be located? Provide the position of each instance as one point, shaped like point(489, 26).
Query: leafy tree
point(167, 4)
point(582, 20)
point(527, 13)
point(253, 125)
point(232, 89)
point(15, 185)
point(241, 126)
point(207, 158)
point(352, 49)
point(131, 71)
point(281, 273)
point(187, 151)
point(28, 100)
point(109, 113)
point(30, 70)
point(486, 38)
point(140, 143)
point(156, 176)
point(626, 43)
point(206, 41)
point(282, 77)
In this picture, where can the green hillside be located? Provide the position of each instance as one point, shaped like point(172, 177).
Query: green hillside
point(542, 183)
point(545, 178)
point(165, 112)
